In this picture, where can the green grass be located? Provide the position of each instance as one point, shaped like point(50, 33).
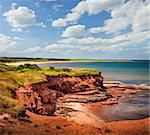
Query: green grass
point(10, 105)
point(8, 86)
point(12, 77)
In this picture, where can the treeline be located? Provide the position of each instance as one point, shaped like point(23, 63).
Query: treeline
point(17, 59)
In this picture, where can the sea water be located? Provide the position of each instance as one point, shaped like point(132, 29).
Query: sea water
point(136, 71)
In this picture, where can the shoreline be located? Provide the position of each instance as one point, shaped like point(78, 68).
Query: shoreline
point(55, 62)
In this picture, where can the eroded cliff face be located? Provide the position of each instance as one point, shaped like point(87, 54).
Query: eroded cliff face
point(71, 84)
point(43, 97)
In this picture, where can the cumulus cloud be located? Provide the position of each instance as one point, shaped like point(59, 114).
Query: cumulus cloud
point(92, 7)
point(75, 31)
point(52, 48)
point(34, 49)
point(7, 41)
point(21, 17)
point(116, 42)
point(132, 15)
point(92, 44)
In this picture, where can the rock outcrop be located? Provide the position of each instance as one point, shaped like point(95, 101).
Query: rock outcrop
point(45, 97)
point(43, 102)
point(72, 84)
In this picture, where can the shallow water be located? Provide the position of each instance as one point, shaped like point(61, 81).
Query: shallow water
point(128, 72)
point(130, 107)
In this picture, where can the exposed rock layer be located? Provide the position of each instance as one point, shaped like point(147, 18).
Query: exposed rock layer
point(43, 97)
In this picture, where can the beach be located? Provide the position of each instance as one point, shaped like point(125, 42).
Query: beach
point(53, 62)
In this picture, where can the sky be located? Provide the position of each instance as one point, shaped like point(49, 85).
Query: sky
point(96, 29)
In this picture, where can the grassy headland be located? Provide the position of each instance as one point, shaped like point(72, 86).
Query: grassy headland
point(12, 77)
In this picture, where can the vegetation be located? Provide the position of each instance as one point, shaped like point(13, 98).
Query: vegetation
point(20, 59)
point(12, 77)
point(23, 59)
point(8, 103)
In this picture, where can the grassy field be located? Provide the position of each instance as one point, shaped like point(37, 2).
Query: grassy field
point(12, 77)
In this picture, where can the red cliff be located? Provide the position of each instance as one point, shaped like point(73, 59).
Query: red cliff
point(42, 97)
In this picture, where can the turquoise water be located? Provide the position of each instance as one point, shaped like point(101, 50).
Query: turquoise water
point(129, 72)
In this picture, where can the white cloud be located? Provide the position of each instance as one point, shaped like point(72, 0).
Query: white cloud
point(132, 14)
point(141, 20)
point(37, 4)
point(57, 7)
point(55, 48)
point(112, 26)
point(51, 48)
point(7, 41)
point(137, 13)
point(75, 31)
point(21, 17)
point(120, 41)
point(92, 7)
point(116, 44)
point(34, 49)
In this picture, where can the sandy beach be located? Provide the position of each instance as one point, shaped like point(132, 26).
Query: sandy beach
point(33, 62)
point(47, 62)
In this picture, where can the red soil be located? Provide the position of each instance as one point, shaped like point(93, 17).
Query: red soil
point(128, 127)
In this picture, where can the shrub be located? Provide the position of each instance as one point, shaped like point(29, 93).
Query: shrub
point(28, 66)
point(4, 68)
point(66, 70)
point(51, 68)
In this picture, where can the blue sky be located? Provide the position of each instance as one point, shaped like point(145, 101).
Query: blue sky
point(101, 29)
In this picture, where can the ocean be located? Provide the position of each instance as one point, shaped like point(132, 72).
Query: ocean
point(134, 72)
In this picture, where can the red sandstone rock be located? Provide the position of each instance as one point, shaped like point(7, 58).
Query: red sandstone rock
point(41, 97)
point(71, 84)
point(40, 103)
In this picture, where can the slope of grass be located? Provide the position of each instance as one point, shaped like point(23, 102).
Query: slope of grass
point(11, 78)
point(8, 86)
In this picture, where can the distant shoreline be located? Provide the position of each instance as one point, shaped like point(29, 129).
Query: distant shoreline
point(52, 62)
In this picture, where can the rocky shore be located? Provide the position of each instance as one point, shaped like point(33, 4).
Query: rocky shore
point(73, 98)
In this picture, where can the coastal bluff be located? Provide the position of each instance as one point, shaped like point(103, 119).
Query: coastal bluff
point(45, 97)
